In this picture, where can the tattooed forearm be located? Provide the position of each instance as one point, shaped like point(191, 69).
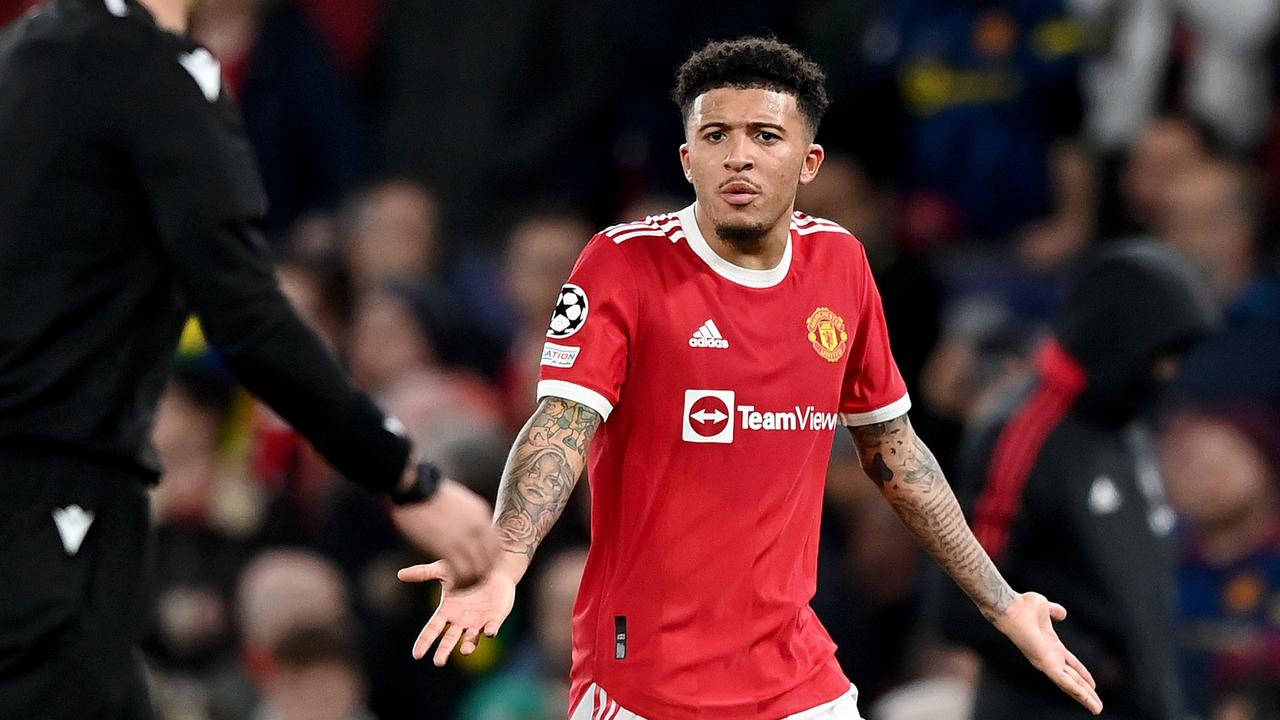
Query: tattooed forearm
point(909, 477)
point(542, 470)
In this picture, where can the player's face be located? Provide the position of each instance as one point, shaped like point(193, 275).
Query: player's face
point(746, 153)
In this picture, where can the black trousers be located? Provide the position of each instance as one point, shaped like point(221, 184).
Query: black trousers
point(74, 546)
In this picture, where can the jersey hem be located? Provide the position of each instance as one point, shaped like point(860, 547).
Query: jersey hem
point(827, 682)
point(576, 393)
point(893, 410)
point(818, 710)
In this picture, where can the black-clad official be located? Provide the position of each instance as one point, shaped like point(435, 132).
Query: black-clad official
point(128, 194)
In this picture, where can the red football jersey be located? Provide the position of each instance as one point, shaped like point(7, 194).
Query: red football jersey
point(721, 388)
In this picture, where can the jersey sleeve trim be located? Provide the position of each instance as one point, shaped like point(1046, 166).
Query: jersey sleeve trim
point(893, 410)
point(577, 393)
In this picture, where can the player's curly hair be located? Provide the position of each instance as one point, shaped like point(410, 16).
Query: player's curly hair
point(753, 62)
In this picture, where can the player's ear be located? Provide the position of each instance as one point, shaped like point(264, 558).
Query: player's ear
point(684, 162)
point(812, 161)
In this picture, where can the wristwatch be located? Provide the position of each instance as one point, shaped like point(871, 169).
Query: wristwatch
point(425, 483)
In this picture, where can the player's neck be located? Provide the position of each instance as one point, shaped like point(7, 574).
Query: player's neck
point(171, 15)
point(765, 253)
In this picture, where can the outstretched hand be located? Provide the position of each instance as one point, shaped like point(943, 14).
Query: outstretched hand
point(1028, 622)
point(463, 613)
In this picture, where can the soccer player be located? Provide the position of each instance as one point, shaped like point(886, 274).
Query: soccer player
point(700, 362)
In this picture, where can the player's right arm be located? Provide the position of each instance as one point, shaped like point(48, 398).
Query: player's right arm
point(541, 472)
point(583, 368)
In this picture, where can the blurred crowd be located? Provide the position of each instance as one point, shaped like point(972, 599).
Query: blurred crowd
point(434, 167)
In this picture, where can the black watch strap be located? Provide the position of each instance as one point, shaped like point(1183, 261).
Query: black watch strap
point(425, 484)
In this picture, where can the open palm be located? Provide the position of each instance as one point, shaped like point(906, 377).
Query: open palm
point(1029, 624)
point(462, 614)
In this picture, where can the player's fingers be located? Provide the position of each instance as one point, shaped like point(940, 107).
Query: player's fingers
point(469, 640)
point(1092, 702)
point(491, 628)
point(429, 633)
point(1074, 685)
point(1057, 612)
point(1074, 663)
point(447, 643)
point(424, 573)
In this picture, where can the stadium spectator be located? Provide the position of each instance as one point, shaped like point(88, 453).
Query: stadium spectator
point(295, 622)
point(391, 232)
point(540, 252)
point(988, 96)
point(1223, 467)
point(1164, 149)
point(1215, 216)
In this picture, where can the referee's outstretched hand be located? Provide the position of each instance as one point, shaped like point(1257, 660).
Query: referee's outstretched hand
point(1029, 624)
point(462, 614)
point(455, 524)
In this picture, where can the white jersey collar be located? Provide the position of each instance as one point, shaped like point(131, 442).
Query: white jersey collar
point(724, 268)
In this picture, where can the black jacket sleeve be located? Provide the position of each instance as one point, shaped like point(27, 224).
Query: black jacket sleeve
point(198, 174)
point(951, 612)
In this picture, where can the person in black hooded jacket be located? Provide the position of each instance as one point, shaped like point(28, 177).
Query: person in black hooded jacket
point(1063, 491)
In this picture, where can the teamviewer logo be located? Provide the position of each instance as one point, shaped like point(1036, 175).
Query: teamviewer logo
point(708, 416)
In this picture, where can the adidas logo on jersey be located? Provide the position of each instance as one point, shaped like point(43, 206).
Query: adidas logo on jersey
point(708, 336)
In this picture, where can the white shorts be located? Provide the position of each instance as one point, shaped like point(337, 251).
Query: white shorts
point(596, 705)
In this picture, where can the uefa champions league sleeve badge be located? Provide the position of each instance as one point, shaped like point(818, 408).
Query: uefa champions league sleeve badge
point(570, 313)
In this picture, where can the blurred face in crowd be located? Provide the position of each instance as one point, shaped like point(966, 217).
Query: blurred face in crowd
point(394, 234)
point(327, 690)
point(540, 255)
point(306, 293)
point(844, 193)
point(183, 427)
point(1167, 148)
point(387, 343)
point(1214, 472)
point(746, 152)
point(185, 435)
point(1205, 220)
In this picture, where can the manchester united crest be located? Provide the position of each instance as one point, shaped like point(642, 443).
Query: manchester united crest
point(827, 333)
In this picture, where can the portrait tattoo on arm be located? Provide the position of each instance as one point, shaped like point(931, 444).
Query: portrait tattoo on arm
point(542, 470)
point(906, 472)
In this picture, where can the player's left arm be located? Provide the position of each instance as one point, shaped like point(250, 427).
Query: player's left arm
point(906, 472)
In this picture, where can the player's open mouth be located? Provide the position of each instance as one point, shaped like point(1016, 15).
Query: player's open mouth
point(738, 193)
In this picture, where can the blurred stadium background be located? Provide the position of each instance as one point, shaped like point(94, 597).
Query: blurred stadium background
point(434, 166)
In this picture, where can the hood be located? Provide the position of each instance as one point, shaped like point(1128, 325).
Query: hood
point(1131, 303)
